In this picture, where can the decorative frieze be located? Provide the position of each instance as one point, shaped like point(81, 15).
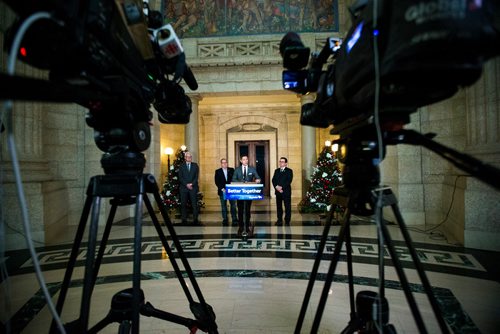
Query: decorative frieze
point(230, 51)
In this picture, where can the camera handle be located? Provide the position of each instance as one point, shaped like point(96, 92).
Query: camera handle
point(477, 168)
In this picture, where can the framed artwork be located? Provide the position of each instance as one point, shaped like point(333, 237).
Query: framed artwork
point(208, 18)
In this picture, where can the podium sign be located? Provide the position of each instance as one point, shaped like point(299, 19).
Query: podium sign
point(244, 191)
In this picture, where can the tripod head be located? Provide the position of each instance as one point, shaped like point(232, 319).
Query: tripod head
point(122, 143)
point(361, 152)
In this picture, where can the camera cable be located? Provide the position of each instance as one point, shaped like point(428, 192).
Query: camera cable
point(15, 164)
point(377, 305)
point(431, 232)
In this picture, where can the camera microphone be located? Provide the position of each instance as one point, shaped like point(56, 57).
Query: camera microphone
point(189, 78)
point(167, 41)
point(171, 48)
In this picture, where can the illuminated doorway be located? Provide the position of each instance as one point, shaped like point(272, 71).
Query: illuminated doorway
point(258, 156)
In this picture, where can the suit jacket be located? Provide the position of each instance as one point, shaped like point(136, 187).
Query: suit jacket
point(190, 176)
point(283, 179)
point(220, 180)
point(252, 175)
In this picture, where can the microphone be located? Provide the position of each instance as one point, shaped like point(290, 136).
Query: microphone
point(171, 48)
point(183, 70)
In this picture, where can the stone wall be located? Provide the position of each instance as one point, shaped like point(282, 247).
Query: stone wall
point(240, 85)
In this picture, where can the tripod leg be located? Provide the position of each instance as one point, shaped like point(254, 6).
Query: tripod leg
point(420, 270)
point(89, 264)
point(136, 284)
point(104, 241)
point(344, 228)
point(167, 248)
point(314, 273)
point(179, 248)
point(210, 317)
point(72, 259)
point(404, 281)
point(350, 274)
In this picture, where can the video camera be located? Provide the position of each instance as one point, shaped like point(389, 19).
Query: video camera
point(107, 56)
point(412, 53)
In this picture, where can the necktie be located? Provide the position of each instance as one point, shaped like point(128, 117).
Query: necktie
point(244, 172)
point(189, 167)
point(282, 170)
point(225, 173)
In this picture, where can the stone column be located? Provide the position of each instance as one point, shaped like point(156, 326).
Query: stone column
point(34, 169)
point(480, 206)
point(308, 135)
point(192, 133)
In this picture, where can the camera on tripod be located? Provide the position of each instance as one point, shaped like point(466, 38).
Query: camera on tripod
point(108, 57)
point(419, 53)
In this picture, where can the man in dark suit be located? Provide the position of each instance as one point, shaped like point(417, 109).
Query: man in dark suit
point(245, 173)
point(282, 183)
point(188, 179)
point(223, 176)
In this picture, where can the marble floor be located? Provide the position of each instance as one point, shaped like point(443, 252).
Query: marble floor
point(258, 285)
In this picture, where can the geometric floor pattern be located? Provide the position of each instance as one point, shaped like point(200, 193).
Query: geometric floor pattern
point(258, 285)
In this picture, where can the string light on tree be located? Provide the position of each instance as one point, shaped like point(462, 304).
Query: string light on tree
point(325, 178)
point(170, 193)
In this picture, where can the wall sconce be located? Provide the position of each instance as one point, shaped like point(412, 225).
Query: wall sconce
point(328, 143)
point(183, 148)
point(168, 152)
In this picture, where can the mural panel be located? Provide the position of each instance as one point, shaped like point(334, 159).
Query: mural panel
point(208, 18)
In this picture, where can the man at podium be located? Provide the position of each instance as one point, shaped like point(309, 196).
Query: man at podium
point(245, 174)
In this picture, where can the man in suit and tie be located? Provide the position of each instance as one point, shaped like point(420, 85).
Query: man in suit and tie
point(282, 181)
point(188, 179)
point(245, 173)
point(223, 176)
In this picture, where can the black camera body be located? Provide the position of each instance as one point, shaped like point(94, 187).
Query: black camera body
point(101, 55)
point(408, 54)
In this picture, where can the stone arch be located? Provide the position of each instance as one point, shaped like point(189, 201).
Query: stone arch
point(251, 128)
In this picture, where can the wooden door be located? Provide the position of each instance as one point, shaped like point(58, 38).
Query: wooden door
point(258, 156)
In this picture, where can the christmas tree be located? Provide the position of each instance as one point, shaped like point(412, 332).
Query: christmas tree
point(170, 194)
point(325, 178)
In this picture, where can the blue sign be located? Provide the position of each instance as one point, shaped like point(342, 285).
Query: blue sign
point(244, 191)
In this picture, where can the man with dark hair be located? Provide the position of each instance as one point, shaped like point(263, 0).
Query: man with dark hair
point(188, 179)
point(223, 176)
point(282, 183)
point(245, 173)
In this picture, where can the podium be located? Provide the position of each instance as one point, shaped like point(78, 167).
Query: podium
point(244, 191)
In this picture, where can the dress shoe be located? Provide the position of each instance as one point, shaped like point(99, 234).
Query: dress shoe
point(278, 223)
point(224, 223)
point(287, 223)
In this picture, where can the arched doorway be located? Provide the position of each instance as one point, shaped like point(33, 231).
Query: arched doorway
point(270, 158)
point(258, 156)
